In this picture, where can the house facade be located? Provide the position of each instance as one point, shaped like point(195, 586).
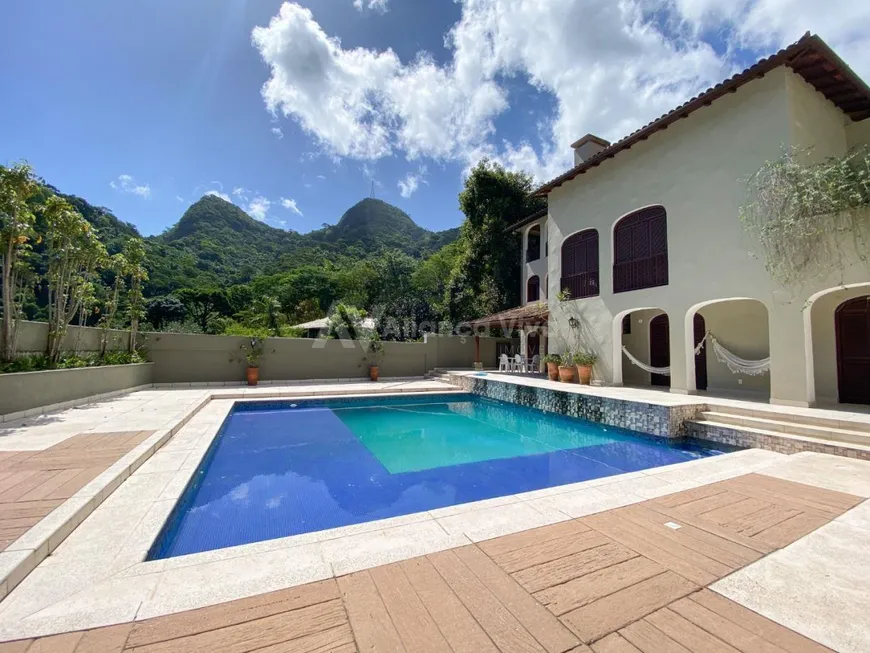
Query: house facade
point(645, 236)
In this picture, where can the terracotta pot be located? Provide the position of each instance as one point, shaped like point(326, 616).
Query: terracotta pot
point(373, 372)
point(567, 374)
point(553, 371)
point(585, 374)
point(253, 375)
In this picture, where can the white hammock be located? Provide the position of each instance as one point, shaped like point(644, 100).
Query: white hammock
point(734, 363)
point(664, 371)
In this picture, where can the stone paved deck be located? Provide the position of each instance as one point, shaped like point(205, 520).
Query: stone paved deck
point(620, 581)
point(33, 483)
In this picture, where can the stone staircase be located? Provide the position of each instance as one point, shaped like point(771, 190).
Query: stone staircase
point(782, 430)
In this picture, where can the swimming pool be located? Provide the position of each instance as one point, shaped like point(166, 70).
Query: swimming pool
point(279, 468)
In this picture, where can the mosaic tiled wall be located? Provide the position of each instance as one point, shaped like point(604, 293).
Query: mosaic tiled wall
point(654, 419)
point(781, 444)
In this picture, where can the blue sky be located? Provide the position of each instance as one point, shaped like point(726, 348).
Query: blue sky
point(143, 107)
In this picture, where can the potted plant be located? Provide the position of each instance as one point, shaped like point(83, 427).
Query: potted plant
point(584, 361)
point(253, 352)
point(374, 355)
point(567, 369)
point(552, 361)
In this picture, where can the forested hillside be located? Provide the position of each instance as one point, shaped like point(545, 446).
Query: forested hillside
point(218, 270)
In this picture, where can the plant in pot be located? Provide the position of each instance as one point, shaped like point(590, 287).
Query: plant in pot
point(552, 361)
point(567, 369)
point(584, 361)
point(374, 356)
point(253, 353)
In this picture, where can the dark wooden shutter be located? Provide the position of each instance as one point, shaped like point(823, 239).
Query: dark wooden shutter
point(533, 289)
point(852, 320)
point(580, 264)
point(700, 328)
point(640, 250)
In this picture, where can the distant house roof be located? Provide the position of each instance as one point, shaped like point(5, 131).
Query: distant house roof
point(323, 323)
point(513, 318)
point(529, 218)
point(810, 57)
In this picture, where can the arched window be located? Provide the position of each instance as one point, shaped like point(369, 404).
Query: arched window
point(640, 250)
point(533, 289)
point(580, 264)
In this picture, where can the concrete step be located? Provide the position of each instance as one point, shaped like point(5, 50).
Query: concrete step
point(791, 417)
point(862, 449)
point(793, 428)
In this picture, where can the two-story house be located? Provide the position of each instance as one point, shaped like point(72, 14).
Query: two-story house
point(645, 236)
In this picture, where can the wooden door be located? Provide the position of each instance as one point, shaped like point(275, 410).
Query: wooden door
point(660, 348)
point(701, 356)
point(852, 326)
point(533, 344)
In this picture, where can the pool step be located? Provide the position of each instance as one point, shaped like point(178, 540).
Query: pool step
point(777, 425)
point(793, 416)
point(782, 441)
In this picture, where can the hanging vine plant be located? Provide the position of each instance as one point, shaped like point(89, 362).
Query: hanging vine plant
point(810, 219)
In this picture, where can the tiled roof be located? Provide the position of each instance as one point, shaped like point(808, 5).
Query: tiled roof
point(810, 57)
point(531, 314)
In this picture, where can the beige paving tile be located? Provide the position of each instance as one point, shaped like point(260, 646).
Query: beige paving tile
point(480, 525)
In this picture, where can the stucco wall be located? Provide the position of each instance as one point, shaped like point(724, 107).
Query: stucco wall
point(26, 390)
point(182, 358)
point(858, 133)
point(741, 327)
point(815, 122)
point(637, 342)
point(33, 338)
point(697, 169)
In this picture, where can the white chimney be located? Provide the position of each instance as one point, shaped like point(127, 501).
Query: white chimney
point(587, 147)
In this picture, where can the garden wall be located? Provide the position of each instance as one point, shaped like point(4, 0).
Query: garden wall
point(199, 358)
point(24, 391)
point(182, 358)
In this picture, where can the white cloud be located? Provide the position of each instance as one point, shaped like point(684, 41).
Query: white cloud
point(408, 186)
point(610, 67)
point(278, 132)
point(375, 5)
point(321, 176)
point(290, 205)
point(126, 184)
point(218, 193)
point(258, 208)
point(241, 192)
point(179, 198)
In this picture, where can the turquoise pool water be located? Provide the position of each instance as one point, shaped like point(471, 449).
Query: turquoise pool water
point(426, 436)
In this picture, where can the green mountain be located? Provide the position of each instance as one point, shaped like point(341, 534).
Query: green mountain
point(373, 224)
point(215, 243)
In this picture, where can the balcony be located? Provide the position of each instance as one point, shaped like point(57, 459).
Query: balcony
point(581, 285)
point(641, 273)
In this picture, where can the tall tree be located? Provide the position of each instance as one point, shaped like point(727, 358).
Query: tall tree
point(204, 305)
point(17, 186)
point(134, 252)
point(74, 253)
point(487, 276)
point(117, 264)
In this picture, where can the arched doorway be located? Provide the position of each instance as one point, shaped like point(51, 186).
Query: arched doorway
point(852, 328)
point(659, 348)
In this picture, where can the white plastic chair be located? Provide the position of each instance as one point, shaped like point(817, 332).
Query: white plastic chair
point(519, 363)
point(536, 363)
point(504, 364)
